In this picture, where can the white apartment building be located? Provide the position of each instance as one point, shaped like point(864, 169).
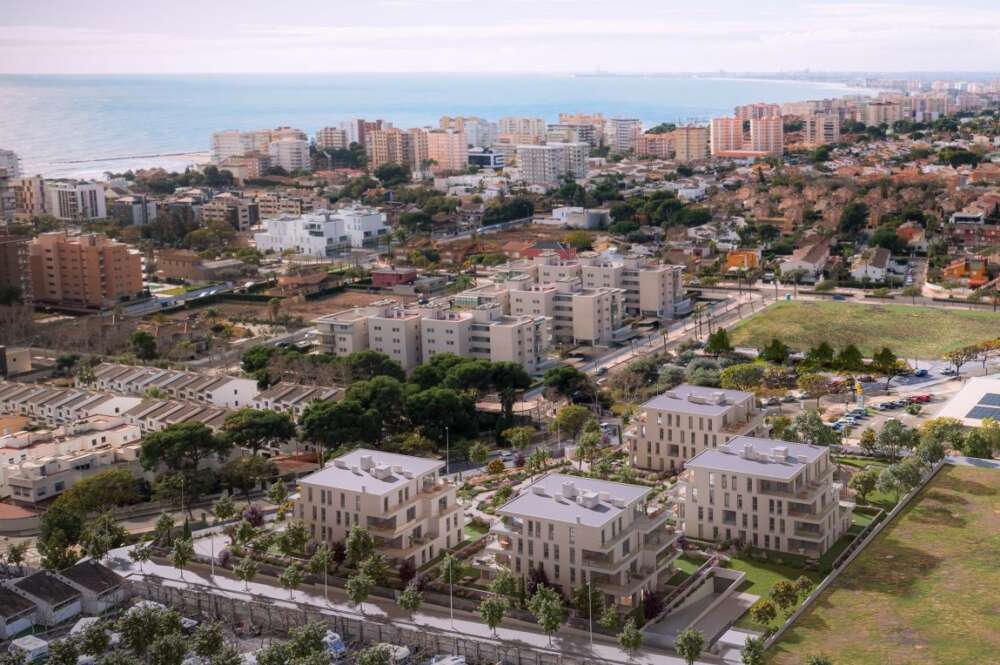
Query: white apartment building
point(579, 315)
point(323, 233)
point(674, 427)
point(523, 126)
point(770, 494)
point(412, 514)
point(10, 164)
point(547, 165)
point(235, 143)
point(229, 392)
point(479, 132)
point(621, 133)
point(39, 465)
point(413, 335)
point(75, 200)
point(291, 154)
point(585, 531)
point(821, 129)
point(331, 138)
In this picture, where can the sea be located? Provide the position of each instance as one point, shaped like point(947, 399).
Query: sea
point(84, 126)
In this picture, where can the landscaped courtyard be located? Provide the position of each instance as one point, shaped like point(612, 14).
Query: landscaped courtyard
point(924, 592)
point(911, 332)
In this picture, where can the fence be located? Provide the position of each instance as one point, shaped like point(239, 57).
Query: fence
point(193, 599)
point(851, 553)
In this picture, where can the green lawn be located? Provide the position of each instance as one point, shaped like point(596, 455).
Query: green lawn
point(911, 332)
point(763, 575)
point(923, 593)
point(474, 531)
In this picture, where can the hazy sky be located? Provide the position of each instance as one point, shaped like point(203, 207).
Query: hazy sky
point(139, 36)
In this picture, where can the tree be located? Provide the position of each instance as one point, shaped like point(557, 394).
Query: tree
point(375, 567)
point(689, 644)
point(358, 588)
point(900, 478)
point(143, 345)
point(566, 380)
point(519, 437)
point(784, 594)
point(718, 343)
point(332, 424)
point(896, 436)
point(742, 376)
point(223, 509)
point(504, 584)
point(291, 578)
point(763, 612)
point(435, 410)
point(949, 432)
point(853, 219)
point(508, 378)
point(930, 452)
point(181, 446)
point(863, 482)
point(810, 428)
point(960, 356)
point(379, 654)
point(912, 292)
point(578, 240)
point(753, 651)
point(140, 628)
point(547, 607)
point(849, 359)
point(102, 535)
point(94, 640)
point(16, 552)
point(570, 420)
point(978, 445)
point(360, 545)
point(181, 554)
point(293, 539)
point(163, 530)
point(630, 639)
point(277, 493)
point(246, 571)
point(228, 655)
point(256, 428)
point(814, 385)
point(478, 453)
point(392, 174)
point(320, 562)
point(886, 363)
point(803, 586)
point(868, 441)
point(776, 352)
point(63, 652)
point(589, 443)
point(410, 598)
point(245, 474)
point(208, 639)
point(168, 649)
point(609, 618)
point(492, 610)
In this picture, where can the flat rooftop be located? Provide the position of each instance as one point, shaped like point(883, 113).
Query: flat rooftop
point(697, 400)
point(979, 398)
point(372, 471)
point(573, 500)
point(768, 458)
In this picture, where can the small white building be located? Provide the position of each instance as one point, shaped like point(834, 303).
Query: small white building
point(17, 614)
point(872, 264)
point(56, 601)
point(100, 587)
point(323, 233)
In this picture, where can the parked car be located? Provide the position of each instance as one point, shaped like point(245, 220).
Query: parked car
point(948, 371)
point(921, 373)
point(789, 398)
point(334, 644)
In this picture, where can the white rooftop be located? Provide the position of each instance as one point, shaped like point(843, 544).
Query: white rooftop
point(979, 398)
point(372, 471)
point(697, 400)
point(573, 500)
point(766, 458)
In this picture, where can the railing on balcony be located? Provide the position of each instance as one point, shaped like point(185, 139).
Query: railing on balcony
point(382, 523)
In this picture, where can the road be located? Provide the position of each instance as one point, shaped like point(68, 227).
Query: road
point(429, 618)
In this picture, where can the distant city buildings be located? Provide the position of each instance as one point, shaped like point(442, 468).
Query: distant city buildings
point(621, 133)
point(83, 272)
point(331, 138)
point(691, 144)
point(10, 164)
point(74, 200)
point(15, 264)
point(821, 129)
point(729, 139)
point(547, 165)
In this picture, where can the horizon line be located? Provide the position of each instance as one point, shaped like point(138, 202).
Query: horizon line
point(596, 72)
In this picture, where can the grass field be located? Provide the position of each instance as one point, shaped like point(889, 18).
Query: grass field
point(911, 332)
point(923, 593)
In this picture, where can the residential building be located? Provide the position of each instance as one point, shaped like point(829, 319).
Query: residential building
point(419, 154)
point(137, 209)
point(485, 158)
point(250, 166)
point(101, 589)
point(384, 278)
point(523, 126)
point(86, 271)
point(291, 154)
point(673, 427)
point(323, 233)
point(767, 135)
point(345, 332)
point(15, 264)
point(811, 259)
point(872, 264)
point(17, 614)
point(293, 398)
point(821, 129)
point(75, 200)
point(576, 217)
point(448, 149)
point(219, 390)
point(579, 315)
point(727, 135)
point(568, 133)
point(227, 208)
point(10, 164)
point(621, 133)
point(356, 129)
point(660, 146)
point(172, 264)
point(595, 120)
point(395, 331)
point(582, 531)
point(14, 361)
point(770, 494)
point(331, 138)
point(388, 146)
point(56, 602)
point(478, 132)
point(650, 288)
point(691, 144)
point(757, 111)
point(234, 143)
point(29, 197)
point(547, 165)
point(882, 113)
point(275, 204)
point(413, 514)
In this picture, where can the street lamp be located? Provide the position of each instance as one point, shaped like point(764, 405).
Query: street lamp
point(590, 610)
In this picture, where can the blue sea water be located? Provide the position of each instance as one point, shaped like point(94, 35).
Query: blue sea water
point(85, 125)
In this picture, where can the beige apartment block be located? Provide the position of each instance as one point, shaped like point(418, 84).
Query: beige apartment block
point(821, 129)
point(448, 150)
point(396, 333)
point(89, 271)
point(677, 425)
point(691, 144)
point(583, 530)
point(388, 146)
point(770, 494)
point(579, 315)
point(651, 289)
point(767, 135)
point(399, 499)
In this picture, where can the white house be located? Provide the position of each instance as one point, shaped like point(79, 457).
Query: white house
point(100, 587)
point(811, 258)
point(17, 614)
point(56, 601)
point(872, 264)
point(323, 233)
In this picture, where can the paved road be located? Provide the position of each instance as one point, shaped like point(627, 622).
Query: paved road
point(429, 618)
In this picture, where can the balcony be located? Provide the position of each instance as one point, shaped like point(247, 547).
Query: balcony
point(382, 524)
point(809, 531)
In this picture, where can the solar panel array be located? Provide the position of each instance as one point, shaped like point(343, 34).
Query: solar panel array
point(988, 407)
point(990, 399)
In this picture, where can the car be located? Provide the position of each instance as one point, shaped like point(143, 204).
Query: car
point(948, 371)
point(789, 398)
point(601, 371)
point(839, 297)
point(334, 644)
point(921, 373)
point(774, 401)
point(507, 457)
point(188, 625)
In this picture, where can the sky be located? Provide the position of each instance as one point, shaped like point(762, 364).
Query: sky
point(225, 36)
